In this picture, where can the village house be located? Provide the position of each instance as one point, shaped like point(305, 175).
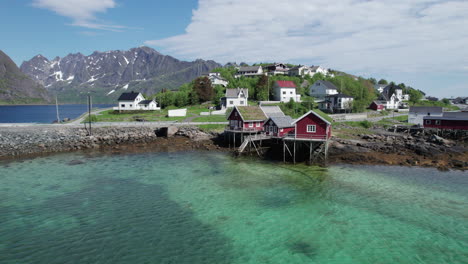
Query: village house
point(249, 71)
point(216, 79)
point(300, 70)
point(285, 91)
point(235, 97)
point(321, 89)
point(337, 103)
point(276, 69)
point(311, 126)
point(246, 118)
point(448, 121)
point(377, 106)
point(279, 126)
point(392, 95)
point(134, 101)
point(318, 69)
point(417, 113)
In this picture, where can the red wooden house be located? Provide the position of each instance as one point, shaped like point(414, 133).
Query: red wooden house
point(377, 106)
point(449, 120)
point(312, 126)
point(246, 118)
point(279, 126)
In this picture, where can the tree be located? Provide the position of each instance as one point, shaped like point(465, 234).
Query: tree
point(414, 96)
point(373, 81)
point(261, 89)
point(446, 101)
point(382, 81)
point(203, 89)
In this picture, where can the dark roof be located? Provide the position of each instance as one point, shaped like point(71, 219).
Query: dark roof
point(282, 121)
point(328, 84)
point(378, 102)
point(145, 102)
point(131, 96)
point(251, 113)
point(425, 109)
point(249, 68)
point(340, 95)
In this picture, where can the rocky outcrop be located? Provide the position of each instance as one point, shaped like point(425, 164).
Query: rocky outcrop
point(30, 141)
point(110, 73)
point(16, 87)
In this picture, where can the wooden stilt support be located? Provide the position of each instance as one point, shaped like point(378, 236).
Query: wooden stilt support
point(284, 151)
point(310, 153)
point(294, 157)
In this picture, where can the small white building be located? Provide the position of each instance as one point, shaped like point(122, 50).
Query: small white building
point(249, 71)
point(134, 101)
point(177, 112)
point(218, 80)
point(285, 91)
point(417, 113)
point(300, 70)
point(318, 69)
point(392, 95)
point(235, 97)
point(321, 89)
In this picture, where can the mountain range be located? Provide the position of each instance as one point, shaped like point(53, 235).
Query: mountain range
point(107, 74)
point(16, 87)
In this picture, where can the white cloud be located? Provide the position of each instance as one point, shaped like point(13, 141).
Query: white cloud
point(82, 12)
point(360, 36)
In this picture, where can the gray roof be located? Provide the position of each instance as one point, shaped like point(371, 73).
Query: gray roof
point(328, 84)
point(272, 111)
point(235, 92)
point(282, 121)
point(425, 109)
point(249, 68)
point(314, 68)
point(450, 116)
point(145, 102)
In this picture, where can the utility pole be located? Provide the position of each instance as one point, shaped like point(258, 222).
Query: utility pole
point(56, 108)
point(89, 114)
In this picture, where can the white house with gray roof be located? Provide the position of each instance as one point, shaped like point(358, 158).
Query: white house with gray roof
point(249, 71)
point(417, 113)
point(235, 97)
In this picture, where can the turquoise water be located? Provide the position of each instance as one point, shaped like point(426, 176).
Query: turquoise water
point(201, 207)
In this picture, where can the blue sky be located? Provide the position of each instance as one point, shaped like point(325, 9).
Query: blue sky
point(422, 43)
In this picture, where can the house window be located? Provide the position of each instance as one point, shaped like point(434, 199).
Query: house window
point(284, 92)
point(258, 124)
point(428, 122)
point(291, 92)
point(276, 129)
point(131, 105)
point(311, 129)
point(250, 124)
point(437, 122)
point(241, 102)
point(235, 113)
point(122, 105)
point(231, 102)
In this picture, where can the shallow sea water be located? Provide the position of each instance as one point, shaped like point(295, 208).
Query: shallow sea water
point(201, 207)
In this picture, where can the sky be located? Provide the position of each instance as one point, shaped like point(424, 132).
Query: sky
point(422, 43)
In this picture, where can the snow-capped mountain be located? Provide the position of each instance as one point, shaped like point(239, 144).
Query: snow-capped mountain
point(110, 73)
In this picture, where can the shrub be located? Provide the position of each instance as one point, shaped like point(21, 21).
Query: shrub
point(366, 124)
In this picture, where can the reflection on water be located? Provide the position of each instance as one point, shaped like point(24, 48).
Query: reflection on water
point(210, 208)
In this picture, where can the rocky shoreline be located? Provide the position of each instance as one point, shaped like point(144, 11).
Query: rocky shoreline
point(381, 148)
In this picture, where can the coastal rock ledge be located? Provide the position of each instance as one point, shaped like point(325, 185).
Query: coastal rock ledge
point(23, 141)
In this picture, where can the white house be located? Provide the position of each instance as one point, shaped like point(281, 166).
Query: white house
point(277, 69)
point(249, 71)
point(321, 89)
point(133, 101)
point(218, 80)
point(300, 70)
point(235, 97)
point(337, 103)
point(285, 91)
point(392, 95)
point(318, 69)
point(417, 113)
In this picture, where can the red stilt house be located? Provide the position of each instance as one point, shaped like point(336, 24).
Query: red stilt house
point(246, 118)
point(449, 120)
point(279, 126)
point(312, 126)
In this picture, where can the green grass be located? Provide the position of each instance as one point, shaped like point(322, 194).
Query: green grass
point(212, 118)
point(212, 128)
point(438, 103)
point(131, 116)
point(323, 115)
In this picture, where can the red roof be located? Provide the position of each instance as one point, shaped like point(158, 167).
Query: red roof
point(286, 84)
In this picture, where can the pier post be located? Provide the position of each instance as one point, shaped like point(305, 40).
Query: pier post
point(294, 154)
point(284, 151)
point(310, 153)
